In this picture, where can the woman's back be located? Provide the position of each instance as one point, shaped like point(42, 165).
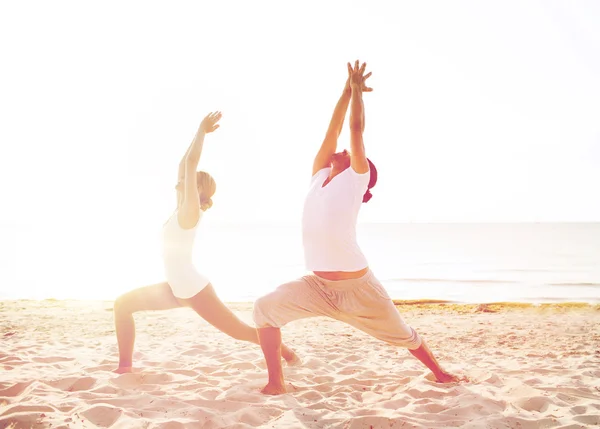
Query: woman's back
point(178, 243)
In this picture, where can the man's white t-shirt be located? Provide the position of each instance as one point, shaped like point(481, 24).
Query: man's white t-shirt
point(329, 221)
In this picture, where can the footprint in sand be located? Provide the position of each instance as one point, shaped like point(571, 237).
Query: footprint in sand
point(172, 425)
point(350, 369)
point(536, 403)
point(195, 351)
point(184, 372)
point(430, 408)
point(135, 379)
point(51, 359)
point(72, 384)
point(589, 419)
point(578, 409)
point(374, 422)
point(127, 380)
point(102, 367)
point(12, 360)
point(322, 379)
point(243, 366)
point(430, 394)
point(154, 378)
point(102, 415)
point(208, 394)
point(395, 404)
point(312, 396)
point(15, 389)
point(104, 390)
point(20, 420)
point(27, 409)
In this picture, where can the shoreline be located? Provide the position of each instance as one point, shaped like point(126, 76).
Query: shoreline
point(428, 305)
point(397, 302)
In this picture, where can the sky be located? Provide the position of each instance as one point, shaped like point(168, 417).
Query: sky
point(481, 112)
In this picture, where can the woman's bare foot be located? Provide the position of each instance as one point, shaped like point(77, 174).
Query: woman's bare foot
point(446, 377)
point(290, 356)
point(274, 389)
point(123, 370)
point(293, 360)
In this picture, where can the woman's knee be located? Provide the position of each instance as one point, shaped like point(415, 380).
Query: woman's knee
point(123, 305)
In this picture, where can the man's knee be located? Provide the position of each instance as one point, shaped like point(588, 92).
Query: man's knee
point(410, 340)
point(265, 308)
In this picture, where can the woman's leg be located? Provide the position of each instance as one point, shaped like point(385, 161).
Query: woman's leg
point(155, 297)
point(208, 305)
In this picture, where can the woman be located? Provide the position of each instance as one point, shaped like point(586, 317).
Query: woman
point(185, 287)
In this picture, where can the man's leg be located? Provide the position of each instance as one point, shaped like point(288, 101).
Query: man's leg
point(292, 301)
point(377, 315)
point(425, 355)
point(270, 342)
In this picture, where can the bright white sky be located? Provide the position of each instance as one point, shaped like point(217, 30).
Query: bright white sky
point(481, 111)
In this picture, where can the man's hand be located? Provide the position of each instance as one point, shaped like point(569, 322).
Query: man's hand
point(357, 78)
point(363, 87)
point(209, 123)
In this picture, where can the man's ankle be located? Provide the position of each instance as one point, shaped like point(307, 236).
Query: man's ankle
point(276, 381)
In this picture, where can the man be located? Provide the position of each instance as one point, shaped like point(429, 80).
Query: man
point(342, 286)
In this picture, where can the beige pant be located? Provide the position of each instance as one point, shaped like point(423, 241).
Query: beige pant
point(362, 303)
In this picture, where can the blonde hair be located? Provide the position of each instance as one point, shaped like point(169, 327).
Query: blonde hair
point(207, 188)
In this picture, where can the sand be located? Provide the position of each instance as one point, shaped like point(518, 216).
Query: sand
point(531, 367)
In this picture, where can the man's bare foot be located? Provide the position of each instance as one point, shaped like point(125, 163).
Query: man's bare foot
point(123, 370)
point(274, 389)
point(446, 377)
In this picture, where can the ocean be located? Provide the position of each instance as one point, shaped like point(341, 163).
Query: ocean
point(470, 263)
point(454, 262)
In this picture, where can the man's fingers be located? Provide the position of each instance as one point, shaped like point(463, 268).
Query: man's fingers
point(349, 69)
point(356, 65)
point(363, 67)
point(367, 89)
point(368, 75)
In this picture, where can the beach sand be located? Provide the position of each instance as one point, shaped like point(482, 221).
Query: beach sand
point(531, 367)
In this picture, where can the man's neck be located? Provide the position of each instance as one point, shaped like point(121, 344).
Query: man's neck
point(334, 172)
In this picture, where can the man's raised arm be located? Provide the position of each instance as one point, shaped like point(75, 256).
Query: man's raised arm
point(329, 145)
point(359, 161)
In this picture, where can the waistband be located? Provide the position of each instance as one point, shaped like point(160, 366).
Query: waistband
point(343, 284)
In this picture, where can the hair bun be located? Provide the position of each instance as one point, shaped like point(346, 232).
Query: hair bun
point(206, 204)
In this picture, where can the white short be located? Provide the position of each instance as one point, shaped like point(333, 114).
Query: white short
point(185, 282)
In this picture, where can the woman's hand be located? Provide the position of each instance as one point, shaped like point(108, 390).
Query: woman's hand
point(209, 123)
